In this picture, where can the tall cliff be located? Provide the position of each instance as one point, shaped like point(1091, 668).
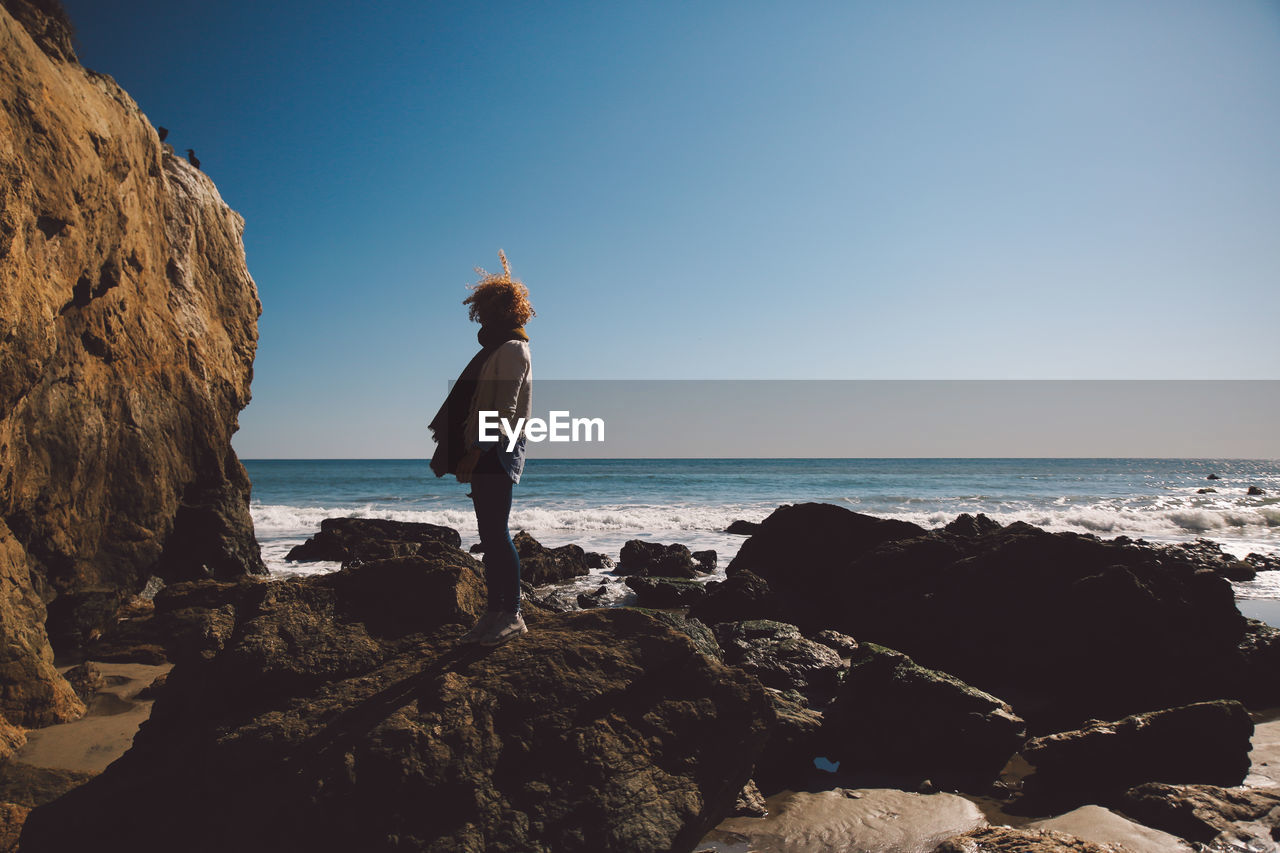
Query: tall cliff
point(128, 326)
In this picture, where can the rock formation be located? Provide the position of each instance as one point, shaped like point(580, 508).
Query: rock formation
point(128, 325)
point(1207, 742)
point(1064, 627)
point(339, 712)
point(343, 539)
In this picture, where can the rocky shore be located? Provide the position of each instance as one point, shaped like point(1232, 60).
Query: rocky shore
point(848, 682)
point(340, 712)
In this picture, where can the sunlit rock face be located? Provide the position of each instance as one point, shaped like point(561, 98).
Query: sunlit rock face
point(128, 325)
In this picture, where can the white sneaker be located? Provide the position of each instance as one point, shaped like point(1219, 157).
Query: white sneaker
point(481, 627)
point(507, 627)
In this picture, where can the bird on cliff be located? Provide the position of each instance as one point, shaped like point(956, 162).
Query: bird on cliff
point(191, 157)
point(163, 131)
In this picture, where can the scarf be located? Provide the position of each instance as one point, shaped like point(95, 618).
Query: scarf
point(447, 426)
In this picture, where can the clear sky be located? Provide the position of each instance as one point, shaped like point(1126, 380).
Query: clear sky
point(736, 190)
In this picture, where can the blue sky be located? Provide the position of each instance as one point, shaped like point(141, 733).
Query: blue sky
point(908, 190)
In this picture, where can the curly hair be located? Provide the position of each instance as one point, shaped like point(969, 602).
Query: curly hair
point(498, 300)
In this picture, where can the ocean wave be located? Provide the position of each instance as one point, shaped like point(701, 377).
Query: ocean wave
point(1240, 525)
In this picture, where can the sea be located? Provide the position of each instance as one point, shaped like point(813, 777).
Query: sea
point(601, 503)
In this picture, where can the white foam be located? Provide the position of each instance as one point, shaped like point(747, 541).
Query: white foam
point(1238, 528)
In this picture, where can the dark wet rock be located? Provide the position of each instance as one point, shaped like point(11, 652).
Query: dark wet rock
point(972, 525)
point(651, 558)
point(347, 539)
point(596, 560)
point(1064, 626)
point(1213, 477)
point(897, 717)
point(1004, 839)
point(1207, 742)
point(750, 802)
point(665, 592)
point(1204, 812)
point(476, 548)
point(86, 680)
point(787, 760)
point(1207, 554)
point(841, 644)
point(340, 713)
point(705, 560)
point(703, 640)
point(799, 548)
point(1263, 562)
point(1206, 491)
point(553, 599)
point(1254, 490)
point(595, 598)
point(541, 565)
point(80, 617)
point(742, 528)
point(780, 657)
point(740, 597)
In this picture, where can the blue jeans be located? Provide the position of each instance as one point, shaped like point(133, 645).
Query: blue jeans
point(491, 494)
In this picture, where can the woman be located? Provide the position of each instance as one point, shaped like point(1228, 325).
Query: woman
point(497, 379)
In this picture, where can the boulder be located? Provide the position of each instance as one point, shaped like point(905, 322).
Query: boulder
point(741, 597)
point(665, 592)
point(1206, 491)
point(1202, 813)
point(841, 644)
point(789, 753)
point(1213, 477)
point(1254, 490)
point(1064, 626)
point(1207, 554)
point(705, 561)
point(1263, 562)
point(339, 712)
point(750, 803)
point(780, 657)
point(651, 558)
point(893, 716)
point(742, 528)
point(542, 565)
point(972, 525)
point(349, 539)
point(86, 680)
point(595, 598)
point(596, 560)
point(1206, 742)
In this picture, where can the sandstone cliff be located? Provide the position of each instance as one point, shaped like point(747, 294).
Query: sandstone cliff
point(128, 325)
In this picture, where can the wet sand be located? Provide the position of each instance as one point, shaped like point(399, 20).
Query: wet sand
point(883, 819)
point(89, 744)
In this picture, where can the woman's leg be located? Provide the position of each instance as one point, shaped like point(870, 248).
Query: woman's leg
point(491, 494)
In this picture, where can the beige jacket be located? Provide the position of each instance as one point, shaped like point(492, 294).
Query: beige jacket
point(505, 386)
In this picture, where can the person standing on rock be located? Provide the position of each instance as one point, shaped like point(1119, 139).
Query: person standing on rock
point(497, 379)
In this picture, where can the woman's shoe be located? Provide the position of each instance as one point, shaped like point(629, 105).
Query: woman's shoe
point(507, 627)
point(481, 627)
